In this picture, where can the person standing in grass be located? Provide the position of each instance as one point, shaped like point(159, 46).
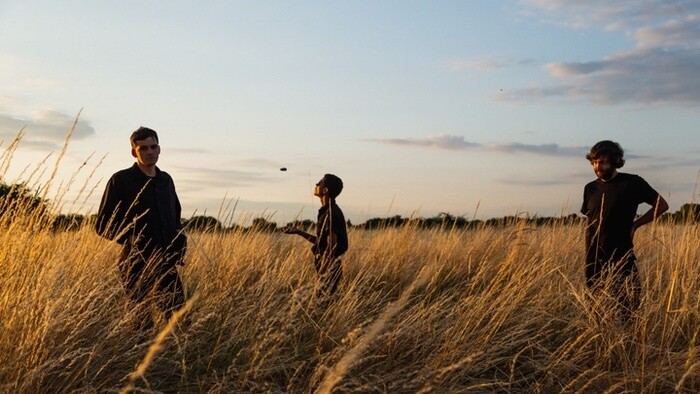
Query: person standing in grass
point(140, 210)
point(610, 204)
point(331, 238)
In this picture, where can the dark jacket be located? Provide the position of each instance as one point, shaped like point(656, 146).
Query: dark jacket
point(137, 210)
point(330, 220)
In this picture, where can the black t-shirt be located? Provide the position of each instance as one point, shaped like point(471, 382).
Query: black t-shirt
point(611, 208)
point(330, 219)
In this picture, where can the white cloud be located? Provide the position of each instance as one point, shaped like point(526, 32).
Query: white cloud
point(564, 70)
point(45, 130)
point(662, 69)
point(440, 141)
point(200, 177)
point(541, 149)
point(488, 63)
point(456, 143)
point(683, 33)
point(476, 64)
point(612, 15)
point(643, 76)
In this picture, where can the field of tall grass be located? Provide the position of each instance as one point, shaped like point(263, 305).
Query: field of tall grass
point(491, 309)
point(441, 310)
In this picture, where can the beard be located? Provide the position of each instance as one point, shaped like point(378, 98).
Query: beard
point(606, 175)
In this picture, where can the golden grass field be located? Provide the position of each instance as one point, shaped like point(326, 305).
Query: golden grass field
point(492, 309)
point(443, 310)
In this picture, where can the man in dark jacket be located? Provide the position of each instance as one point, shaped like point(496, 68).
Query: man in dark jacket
point(610, 203)
point(140, 210)
point(331, 239)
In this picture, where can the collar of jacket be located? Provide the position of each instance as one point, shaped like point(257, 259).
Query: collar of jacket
point(140, 175)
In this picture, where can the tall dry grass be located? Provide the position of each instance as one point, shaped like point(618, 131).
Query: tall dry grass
point(445, 310)
point(442, 310)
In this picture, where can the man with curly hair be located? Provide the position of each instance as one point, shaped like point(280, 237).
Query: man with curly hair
point(610, 204)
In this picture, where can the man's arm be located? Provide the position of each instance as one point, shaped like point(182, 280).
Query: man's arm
point(106, 225)
point(293, 230)
point(659, 208)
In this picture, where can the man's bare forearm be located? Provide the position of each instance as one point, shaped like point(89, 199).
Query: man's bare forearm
point(309, 237)
point(293, 230)
point(656, 211)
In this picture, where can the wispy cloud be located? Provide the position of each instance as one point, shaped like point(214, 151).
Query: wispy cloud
point(256, 163)
point(663, 164)
point(458, 143)
point(541, 149)
point(537, 182)
point(476, 64)
point(679, 33)
point(487, 63)
point(608, 14)
point(46, 130)
point(663, 68)
point(217, 178)
point(187, 151)
point(440, 141)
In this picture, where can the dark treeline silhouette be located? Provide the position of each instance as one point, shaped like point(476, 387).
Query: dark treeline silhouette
point(448, 221)
point(689, 213)
point(19, 197)
point(72, 221)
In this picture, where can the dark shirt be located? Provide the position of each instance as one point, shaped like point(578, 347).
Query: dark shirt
point(330, 219)
point(611, 208)
point(139, 210)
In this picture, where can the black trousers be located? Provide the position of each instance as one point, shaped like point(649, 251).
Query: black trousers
point(330, 271)
point(620, 277)
point(151, 273)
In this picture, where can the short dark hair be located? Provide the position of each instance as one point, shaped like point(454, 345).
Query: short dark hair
point(141, 134)
point(608, 149)
point(334, 185)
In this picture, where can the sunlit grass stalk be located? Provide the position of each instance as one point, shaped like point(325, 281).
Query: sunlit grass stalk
point(501, 308)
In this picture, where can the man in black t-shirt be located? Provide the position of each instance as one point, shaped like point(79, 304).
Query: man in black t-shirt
point(610, 204)
point(331, 238)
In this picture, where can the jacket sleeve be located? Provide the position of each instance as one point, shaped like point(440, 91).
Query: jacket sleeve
point(341, 234)
point(110, 218)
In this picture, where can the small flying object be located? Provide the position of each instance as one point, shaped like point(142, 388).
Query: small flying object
point(283, 169)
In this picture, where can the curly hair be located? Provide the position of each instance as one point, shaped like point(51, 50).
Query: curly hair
point(607, 149)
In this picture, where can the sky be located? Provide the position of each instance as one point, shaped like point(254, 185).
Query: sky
point(478, 108)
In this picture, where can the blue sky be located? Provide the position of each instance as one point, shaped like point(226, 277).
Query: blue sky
point(477, 108)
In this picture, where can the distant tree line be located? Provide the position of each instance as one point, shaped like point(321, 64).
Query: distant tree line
point(688, 213)
point(19, 199)
point(448, 221)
